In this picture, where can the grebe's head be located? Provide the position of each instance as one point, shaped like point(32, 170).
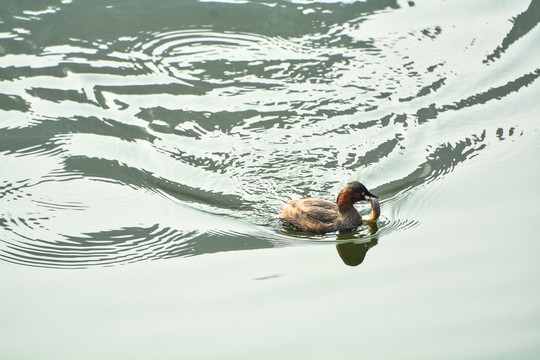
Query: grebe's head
point(355, 191)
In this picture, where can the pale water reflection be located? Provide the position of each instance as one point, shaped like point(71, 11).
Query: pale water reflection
point(166, 137)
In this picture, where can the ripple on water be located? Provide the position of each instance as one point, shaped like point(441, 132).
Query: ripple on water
point(68, 208)
point(74, 223)
point(207, 59)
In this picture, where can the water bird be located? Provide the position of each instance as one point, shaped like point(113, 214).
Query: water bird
point(322, 216)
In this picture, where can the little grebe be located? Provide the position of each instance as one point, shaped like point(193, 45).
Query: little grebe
point(322, 216)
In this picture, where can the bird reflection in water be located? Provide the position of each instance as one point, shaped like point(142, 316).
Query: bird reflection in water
point(352, 247)
point(353, 253)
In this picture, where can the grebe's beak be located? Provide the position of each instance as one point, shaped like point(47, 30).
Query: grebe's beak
point(375, 208)
point(368, 195)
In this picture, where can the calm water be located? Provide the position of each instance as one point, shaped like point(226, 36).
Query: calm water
point(145, 149)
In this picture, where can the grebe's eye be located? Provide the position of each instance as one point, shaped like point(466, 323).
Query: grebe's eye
point(363, 193)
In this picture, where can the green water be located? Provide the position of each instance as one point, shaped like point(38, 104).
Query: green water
point(145, 150)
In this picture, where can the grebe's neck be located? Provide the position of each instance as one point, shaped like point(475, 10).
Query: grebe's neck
point(344, 208)
point(349, 217)
point(345, 201)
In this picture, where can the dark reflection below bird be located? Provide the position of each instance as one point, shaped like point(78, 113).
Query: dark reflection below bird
point(354, 253)
point(321, 216)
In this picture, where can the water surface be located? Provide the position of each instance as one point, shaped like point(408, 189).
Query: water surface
point(172, 132)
